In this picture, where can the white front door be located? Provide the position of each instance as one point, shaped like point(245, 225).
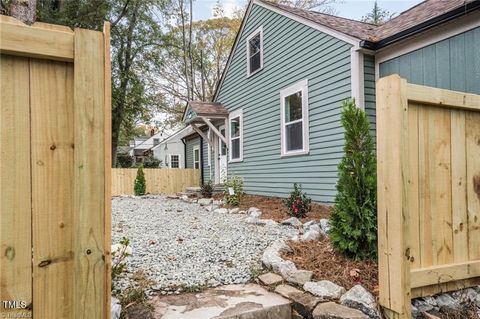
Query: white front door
point(222, 158)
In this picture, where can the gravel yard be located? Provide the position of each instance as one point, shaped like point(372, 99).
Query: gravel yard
point(181, 244)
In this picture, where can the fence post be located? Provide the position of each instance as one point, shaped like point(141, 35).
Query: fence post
point(392, 156)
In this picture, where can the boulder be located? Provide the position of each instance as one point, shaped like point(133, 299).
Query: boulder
point(331, 310)
point(255, 214)
point(292, 221)
point(324, 226)
point(324, 289)
point(310, 235)
point(205, 201)
point(425, 304)
point(304, 303)
point(445, 301)
point(270, 279)
point(359, 298)
point(284, 268)
point(300, 277)
point(270, 257)
point(286, 290)
point(115, 308)
point(307, 225)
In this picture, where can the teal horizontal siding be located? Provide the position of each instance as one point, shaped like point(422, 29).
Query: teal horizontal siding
point(452, 64)
point(369, 86)
point(292, 52)
point(190, 144)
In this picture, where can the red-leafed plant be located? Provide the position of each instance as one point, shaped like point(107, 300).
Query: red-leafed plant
point(298, 203)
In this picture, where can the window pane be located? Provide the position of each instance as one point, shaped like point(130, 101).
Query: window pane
point(196, 155)
point(236, 148)
point(235, 127)
point(174, 161)
point(293, 107)
point(255, 62)
point(197, 165)
point(294, 137)
point(223, 150)
point(254, 45)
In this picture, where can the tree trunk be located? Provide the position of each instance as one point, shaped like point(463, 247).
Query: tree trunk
point(24, 10)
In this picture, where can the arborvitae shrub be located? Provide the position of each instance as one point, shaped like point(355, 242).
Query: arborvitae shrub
point(354, 218)
point(140, 184)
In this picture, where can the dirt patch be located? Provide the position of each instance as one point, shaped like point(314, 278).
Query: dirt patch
point(273, 208)
point(326, 264)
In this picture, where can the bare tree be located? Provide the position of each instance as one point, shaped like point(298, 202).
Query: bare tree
point(24, 10)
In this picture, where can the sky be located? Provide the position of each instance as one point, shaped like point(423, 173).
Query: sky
point(352, 9)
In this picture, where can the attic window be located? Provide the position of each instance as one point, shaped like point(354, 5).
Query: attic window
point(255, 52)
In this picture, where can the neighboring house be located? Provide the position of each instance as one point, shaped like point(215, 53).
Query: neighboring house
point(171, 151)
point(141, 146)
point(275, 116)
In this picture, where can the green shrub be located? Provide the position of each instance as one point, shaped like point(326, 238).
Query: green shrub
point(354, 218)
point(151, 162)
point(298, 203)
point(233, 190)
point(207, 189)
point(124, 160)
point(140, 183)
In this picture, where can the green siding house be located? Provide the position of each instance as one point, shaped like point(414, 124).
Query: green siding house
point(275, 118)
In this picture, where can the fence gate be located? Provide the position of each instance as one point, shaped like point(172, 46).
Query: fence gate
point(428, 146)
point(54, 171)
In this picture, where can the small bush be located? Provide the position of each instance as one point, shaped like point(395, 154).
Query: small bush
point(118, 258)
point(233, 190)
point(140, 183)
point(298, 203)
point(207, 189)
point(151, 162)
point(124, 160)
point(354, 219)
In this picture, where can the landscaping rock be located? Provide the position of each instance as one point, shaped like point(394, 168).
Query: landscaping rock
point(359, 298)
point(296, 315)
point(251, 220)
point(115, 308)
point(256, 214)
point(300, 277)
point(445, 302)
point(324, 289)
point(220, 211)
point(234, 211)
point(325, 226)
point(205, 201)
point(253, 209)
point(270, 279)
point(266, 222)
point(307, 225)
point(292, 221)
point(467, 295)
point(284, 268)
point(331, 310)
point(286, 290)
point(218, 202)
point(304, 303)
point(425, 304)
point(310, 235)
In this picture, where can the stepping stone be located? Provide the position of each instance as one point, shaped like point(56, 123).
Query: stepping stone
point(270, 279)
point(300, 277)
point(331, 310)
point(286, 290)
point(225, 302)
point(304, 303)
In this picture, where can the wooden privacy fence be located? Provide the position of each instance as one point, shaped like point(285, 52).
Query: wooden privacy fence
point(166, 181)
point(428, 146)
point(54, 171)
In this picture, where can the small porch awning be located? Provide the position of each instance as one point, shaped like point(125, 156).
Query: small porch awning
point(200, 113)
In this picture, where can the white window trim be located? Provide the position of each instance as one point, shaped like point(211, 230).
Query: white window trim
point(196, 148)
point(253, 34)
point(209, 148)
point(179, 160)
point(303, 87)
point(233, 115)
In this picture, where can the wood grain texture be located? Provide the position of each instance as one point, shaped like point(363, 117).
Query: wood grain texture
point(15, 203)
point(472, 127)
point(89, 183)
point(52, 187)
point(159, 181)
point(441, 97)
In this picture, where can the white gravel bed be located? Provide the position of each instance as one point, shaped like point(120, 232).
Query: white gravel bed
point(182, 244)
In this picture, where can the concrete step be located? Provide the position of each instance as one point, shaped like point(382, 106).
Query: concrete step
point(248, 301)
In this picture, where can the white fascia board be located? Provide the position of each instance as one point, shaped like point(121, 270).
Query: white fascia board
point(357, 77)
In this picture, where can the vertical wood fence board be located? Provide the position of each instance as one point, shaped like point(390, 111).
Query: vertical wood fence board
point(108, 164)
point(428, 148)
point(89, 201)
point(15, 204)
point(52, 187)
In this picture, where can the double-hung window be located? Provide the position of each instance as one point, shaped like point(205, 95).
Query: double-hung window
point(294, 117)
point(236, 136)
point(174, 161)
point(255, 52)
point(196, 157)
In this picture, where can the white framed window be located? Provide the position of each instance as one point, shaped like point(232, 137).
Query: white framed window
point(236, 136)
point(209, 148)
point(255, 52)
point(294, 117)
point(196, 157)
point(174, 160)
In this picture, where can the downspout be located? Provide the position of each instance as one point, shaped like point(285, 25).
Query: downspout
point(201, 160)
point(184, 153)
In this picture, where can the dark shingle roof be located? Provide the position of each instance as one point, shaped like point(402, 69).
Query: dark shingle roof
point(422, 12)
point(207, 107)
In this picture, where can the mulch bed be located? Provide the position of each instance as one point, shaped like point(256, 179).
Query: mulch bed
point(326, 264)
point(274, 208)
